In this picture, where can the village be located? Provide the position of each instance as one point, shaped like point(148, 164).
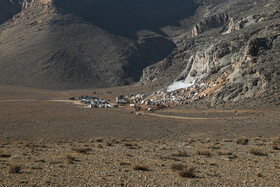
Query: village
point(158, 100)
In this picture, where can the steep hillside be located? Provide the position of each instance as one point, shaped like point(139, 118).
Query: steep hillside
point(59, 44)
point(231, 54)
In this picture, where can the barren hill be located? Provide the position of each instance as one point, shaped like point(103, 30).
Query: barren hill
point(59, 44)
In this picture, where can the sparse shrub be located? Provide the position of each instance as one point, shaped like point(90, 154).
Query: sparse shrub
point(124, 164)
point(15, 168)
point(225, 153)
point(19, 144)
point(181, 154)
point(128, 144)
point(276, 144)
point(70, 159)
point(99, 146)
point(242, 141)
point(190, 141)
point(109, 144)
point(40, 160)
point(183, 170)
point(177, 167)
point(259, 175)
point(55, 162)
point(141, 167)
point(115, 141)
point(36, 168)
point(257, 152)
point(203, 152)
point(213, 146)
point(99, 140)
point(5, 154)
point(188, 173)
point(82, 150)
point(23, 182)
point(231, 157)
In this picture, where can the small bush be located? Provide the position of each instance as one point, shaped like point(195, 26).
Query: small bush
point(70, 159)
point(141, 167)
point(225, 153)
point(109, 144)
point(190, 141)
point(187, 173)
point(99, 140)
point(257, 152)
point(5, 155)
point(232, 157)
point(15, 168)
point(203, 152)
point(213, 146)
point(82, 150)
point(181, 154)
point(276, 144)
point(124, 164)
point(183, 170)
point(178, 167)
point(242, 141)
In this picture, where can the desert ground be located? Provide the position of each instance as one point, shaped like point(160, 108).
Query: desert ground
point(49, 140)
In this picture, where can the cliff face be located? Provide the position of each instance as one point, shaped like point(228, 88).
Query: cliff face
point(237, 50)
point(60, 44)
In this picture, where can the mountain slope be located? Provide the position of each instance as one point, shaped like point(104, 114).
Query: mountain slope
point(231, 54)
point(59, 44)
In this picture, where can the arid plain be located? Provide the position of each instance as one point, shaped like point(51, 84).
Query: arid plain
point(48, 140)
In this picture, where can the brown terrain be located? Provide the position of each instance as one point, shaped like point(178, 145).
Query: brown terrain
point(49, 140)
point(196, 83)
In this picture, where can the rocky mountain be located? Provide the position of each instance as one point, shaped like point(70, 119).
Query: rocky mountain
point(215, 50)
point(69, 44)
point(231, 54)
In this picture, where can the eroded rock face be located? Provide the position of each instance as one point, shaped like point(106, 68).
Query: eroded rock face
point(33, 3)
point(242, 57)
point(214, 21)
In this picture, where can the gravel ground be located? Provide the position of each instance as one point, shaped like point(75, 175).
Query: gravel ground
point(122, 162)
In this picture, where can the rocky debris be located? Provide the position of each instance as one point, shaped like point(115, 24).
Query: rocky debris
point(165, 98)
point(94, 102)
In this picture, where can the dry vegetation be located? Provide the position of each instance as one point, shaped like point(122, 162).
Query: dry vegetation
point(202, 164)
point(117, 148)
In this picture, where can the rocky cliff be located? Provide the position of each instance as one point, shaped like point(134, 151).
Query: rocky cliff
point(234, 47)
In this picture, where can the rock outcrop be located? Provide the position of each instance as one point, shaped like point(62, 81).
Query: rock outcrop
point(214, 21)
point(241, 57)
